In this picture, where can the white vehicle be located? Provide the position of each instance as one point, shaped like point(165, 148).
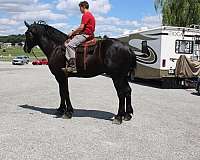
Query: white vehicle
point(20, 60)
point(167, 43)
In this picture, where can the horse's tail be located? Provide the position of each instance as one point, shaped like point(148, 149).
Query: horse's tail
point(133, 60)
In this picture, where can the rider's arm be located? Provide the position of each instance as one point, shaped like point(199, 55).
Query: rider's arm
point(78, 30)
point(84, 21)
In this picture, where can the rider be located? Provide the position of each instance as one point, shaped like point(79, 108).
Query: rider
point(80, 35)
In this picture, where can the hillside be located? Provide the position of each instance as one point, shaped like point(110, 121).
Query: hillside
point(12, 38)
point(7, 53)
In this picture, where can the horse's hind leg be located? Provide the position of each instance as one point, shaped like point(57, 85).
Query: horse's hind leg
point(129, 108)
point(119, 86)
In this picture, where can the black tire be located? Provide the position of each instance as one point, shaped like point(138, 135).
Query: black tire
point(198, 90)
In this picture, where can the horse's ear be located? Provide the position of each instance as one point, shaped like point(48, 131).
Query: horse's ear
point(26, 24)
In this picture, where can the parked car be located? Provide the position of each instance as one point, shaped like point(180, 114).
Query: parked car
point(27, 59)
point(43, 61)
point(20, 60)
point(198, 86)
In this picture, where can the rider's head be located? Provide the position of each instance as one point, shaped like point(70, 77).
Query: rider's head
point(84, 5)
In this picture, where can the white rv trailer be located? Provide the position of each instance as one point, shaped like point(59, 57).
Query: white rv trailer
point(168, 43)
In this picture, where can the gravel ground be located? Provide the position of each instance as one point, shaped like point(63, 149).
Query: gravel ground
point(166, 123)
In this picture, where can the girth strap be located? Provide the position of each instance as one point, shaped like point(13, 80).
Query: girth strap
point(85, 56)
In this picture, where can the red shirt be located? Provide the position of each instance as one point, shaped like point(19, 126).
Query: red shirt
point(89, 21)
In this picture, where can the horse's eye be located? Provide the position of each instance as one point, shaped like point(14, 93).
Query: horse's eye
point(29, 34)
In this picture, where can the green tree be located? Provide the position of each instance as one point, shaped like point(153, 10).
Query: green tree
point(179, 12)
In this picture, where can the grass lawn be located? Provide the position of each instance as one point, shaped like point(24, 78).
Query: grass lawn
point(7, 54)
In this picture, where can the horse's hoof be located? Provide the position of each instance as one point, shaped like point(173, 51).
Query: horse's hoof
point(67, 115)
point(60, 112)
point(117, 120)
point(127, 117)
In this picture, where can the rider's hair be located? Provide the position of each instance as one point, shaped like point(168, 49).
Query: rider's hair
point(84, 4)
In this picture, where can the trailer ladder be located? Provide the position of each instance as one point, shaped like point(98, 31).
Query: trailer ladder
point(196, 40)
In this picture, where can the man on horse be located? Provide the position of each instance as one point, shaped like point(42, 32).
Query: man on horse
point(84, 32)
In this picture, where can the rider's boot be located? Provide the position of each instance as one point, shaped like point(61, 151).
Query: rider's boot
point(71, 66)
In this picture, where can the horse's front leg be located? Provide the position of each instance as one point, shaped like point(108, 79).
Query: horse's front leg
point(62, 108)
point(64, 96)
point(69, 111)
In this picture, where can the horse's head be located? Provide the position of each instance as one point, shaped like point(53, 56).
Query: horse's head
point(40, 32)
point(31, 37)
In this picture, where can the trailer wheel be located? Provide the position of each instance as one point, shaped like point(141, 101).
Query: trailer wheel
point(198, 90)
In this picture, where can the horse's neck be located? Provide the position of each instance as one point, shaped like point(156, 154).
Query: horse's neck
point(47, 46)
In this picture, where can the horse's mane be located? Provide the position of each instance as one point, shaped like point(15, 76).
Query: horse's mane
point(53, 33)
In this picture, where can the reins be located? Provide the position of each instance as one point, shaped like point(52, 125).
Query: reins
point(34, 54)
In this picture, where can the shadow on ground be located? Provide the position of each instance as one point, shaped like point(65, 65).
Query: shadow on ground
point(195, 94)
point(77, 112)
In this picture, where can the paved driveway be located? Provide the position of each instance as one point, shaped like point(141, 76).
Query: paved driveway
point(166, 125)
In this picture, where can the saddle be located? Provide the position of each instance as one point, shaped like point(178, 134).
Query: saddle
point(86, 47)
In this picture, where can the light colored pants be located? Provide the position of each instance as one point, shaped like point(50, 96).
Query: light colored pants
point(73, 43)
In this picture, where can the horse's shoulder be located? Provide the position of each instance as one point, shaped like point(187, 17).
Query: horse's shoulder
point(59, 49)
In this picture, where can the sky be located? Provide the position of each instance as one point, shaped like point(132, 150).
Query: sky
point(113, 17)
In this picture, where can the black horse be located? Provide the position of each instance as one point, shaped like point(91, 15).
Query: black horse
point(110, 56)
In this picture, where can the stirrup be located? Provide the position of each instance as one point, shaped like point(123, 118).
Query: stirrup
point(71, 69)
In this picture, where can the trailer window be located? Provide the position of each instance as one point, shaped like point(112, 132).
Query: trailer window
point(184, 47)
point(144, 47)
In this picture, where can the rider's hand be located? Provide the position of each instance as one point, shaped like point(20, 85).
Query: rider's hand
point(70, 34)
